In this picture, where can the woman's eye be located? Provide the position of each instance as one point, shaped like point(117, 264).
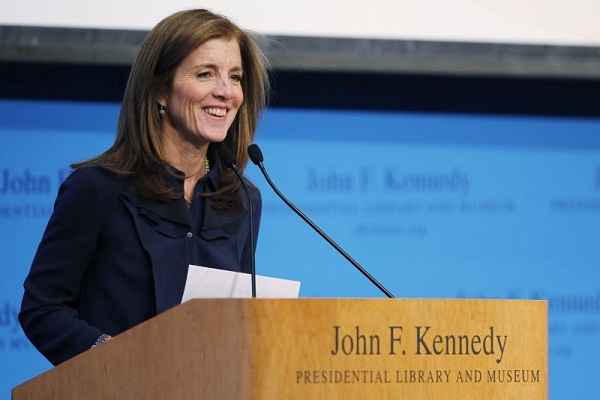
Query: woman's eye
point(236, 78)
point(203, 75)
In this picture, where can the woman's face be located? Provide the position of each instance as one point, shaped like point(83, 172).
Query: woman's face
point(206, 92)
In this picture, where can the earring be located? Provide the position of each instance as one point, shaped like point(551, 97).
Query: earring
point(162, 109)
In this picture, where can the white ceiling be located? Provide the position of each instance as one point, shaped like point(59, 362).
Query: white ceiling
point(555, 22)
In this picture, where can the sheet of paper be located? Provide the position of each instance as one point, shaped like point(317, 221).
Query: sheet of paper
point(203, 282)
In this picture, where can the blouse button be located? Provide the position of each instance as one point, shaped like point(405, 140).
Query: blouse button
point(189, 235)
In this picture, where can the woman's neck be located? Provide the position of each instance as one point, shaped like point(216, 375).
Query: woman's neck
point(185, 155)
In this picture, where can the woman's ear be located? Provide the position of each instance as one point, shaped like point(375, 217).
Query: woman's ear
point(162, 105)
point(163, 95)
point(162, 101)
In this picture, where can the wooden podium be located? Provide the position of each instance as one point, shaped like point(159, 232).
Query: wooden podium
point(316, 349)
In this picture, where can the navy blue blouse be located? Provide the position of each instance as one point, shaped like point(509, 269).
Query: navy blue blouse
point(110, 259)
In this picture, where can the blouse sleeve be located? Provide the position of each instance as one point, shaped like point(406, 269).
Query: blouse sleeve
point(49, 314)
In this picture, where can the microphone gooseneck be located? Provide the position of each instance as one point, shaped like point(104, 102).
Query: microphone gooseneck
point(256, 157)
point(229, 162)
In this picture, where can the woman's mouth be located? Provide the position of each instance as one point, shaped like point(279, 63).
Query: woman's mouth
point(218, 112)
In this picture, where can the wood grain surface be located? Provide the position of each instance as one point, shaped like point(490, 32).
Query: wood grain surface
point(316, 349)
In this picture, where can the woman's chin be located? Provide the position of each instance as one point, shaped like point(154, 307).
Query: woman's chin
point(212, 137)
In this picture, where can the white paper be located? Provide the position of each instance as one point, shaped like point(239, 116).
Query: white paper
point(203, 282)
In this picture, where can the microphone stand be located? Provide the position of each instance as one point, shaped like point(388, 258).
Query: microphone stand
point(229, 161)
point(256, 157)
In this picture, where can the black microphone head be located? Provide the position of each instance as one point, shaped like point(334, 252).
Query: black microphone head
point(255, 154)
point(226, 156)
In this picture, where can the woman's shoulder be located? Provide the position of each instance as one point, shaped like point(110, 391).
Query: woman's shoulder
point(88, 194)
point(97, 175)
point(97, 181)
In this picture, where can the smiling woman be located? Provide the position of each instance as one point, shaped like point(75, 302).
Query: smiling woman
point(127, 224)
point(200, 106)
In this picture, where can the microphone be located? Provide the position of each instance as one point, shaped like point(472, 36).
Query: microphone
point(229, 162)
point(257, 158)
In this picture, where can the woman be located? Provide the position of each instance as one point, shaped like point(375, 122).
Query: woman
point(127, 224)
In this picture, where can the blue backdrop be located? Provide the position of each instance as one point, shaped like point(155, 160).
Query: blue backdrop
point(435, 205)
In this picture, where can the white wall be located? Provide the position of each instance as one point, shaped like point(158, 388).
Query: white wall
point(574, 22)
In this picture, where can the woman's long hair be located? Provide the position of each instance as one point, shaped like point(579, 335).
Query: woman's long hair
point(137, 149)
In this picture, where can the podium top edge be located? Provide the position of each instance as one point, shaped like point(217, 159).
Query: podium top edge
point(375, 299)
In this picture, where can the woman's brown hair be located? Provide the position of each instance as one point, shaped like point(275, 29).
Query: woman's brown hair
point(137, 147)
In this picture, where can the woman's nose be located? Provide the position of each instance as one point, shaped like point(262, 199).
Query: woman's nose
point(223, 88)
